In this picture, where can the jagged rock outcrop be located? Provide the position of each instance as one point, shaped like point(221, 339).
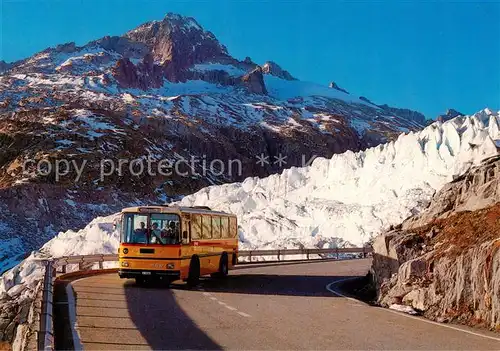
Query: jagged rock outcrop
point(445, 262)
point(450, 113)
point(4, 66)
point(407, 113)
point(254, 82)
point(177, 42)
point(274, 69)
point(20, 303)
point(144, 75)
point(334, 85)
point(249, 61)
point(365, 99)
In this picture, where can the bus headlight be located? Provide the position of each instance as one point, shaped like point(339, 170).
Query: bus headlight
point(170, 266)
point(124, 264)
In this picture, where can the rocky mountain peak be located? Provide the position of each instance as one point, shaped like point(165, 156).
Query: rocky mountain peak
point(450, 113)
point(178, 40)
point(334, 85)
point(274, 69)
point(254, 82)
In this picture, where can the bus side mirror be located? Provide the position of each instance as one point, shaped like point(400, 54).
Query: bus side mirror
point(184, 234)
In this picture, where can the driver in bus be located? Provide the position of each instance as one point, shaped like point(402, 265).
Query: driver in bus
point(140, 234)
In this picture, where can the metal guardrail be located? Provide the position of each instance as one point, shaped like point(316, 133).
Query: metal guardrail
point(45, 335)
point(307, 252)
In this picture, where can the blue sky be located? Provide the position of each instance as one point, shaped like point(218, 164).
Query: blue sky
point(426, 56)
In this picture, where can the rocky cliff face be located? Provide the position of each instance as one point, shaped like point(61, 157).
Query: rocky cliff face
point(445, 263)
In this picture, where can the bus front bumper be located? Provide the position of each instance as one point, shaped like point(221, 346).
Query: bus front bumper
point(134, 273)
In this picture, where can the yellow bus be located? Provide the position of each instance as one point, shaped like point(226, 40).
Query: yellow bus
point(171, 243)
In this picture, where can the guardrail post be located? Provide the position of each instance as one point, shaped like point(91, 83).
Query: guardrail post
point(278, 255)
point(337, 252)
point(45, 337)
point(100, 265)
point(250, 256)
point(307, 253)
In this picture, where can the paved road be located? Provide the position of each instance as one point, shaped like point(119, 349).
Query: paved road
point(282, 307)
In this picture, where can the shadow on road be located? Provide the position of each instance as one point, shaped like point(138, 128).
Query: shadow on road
point(257, 264)
point(269, 284)
point(162, 322)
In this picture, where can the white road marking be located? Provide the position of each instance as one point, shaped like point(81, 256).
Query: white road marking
point(243, 314)
point(332, 290)
point(231, 308)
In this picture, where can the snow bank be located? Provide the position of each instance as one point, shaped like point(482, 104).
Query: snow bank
point(20, 282)
point(340, 201)
point(402, 308)
point(353, 196)
point(98, 237)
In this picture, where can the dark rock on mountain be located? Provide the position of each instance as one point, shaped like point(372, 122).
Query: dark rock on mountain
point(274, 69)
point(249, 61)
point(366, 100)
point(334, 85)
point(450, 113)
point(405, 113)
point(4, 66)
point(254, 82)
point(178, 41)
point(66, 48)
point(144, 75)
point(123, 46)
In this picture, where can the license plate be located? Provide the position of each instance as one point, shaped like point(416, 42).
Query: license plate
point(146, 273)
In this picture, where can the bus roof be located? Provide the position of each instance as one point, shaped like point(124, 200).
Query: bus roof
point(172, 209)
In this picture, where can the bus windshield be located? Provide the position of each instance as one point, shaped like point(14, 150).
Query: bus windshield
point(154, 228)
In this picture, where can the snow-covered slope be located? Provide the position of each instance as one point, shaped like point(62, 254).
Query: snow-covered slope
point(344, 200)
point(98, 237)
point(352, 196)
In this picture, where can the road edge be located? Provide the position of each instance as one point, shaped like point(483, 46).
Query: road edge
point(331, 289)
point(72, 317)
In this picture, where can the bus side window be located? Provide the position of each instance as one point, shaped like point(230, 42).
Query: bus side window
point(233, 227)
point(207, 227)
point(196, 227)
point(215, 227)
point(224, 227)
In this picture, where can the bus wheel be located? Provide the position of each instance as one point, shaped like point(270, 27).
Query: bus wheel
point(223, 267)
point(194, 272)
